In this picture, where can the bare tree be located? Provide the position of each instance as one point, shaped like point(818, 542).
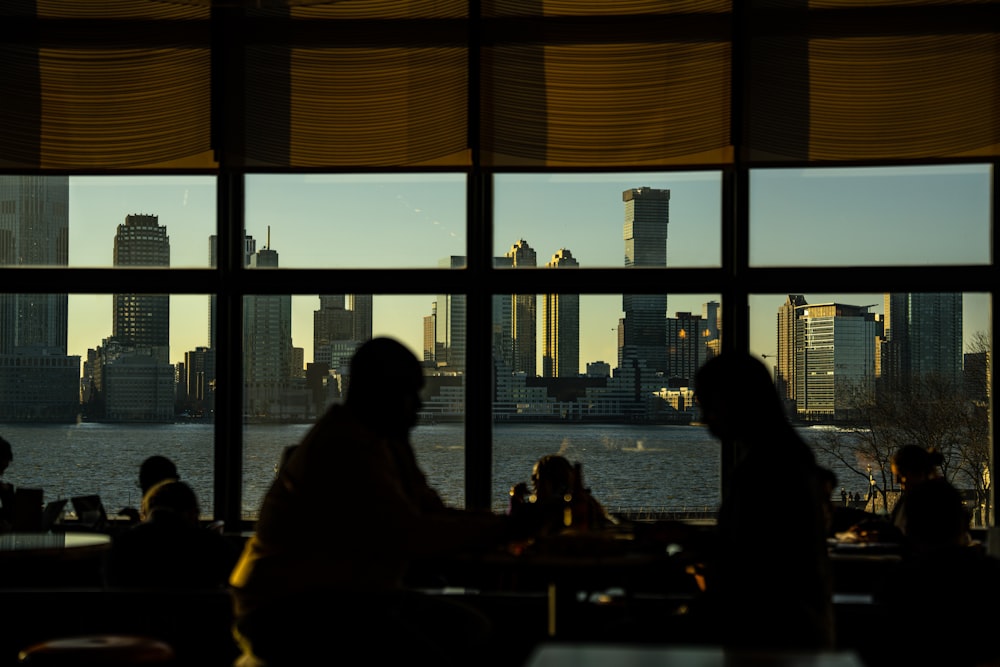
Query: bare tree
point(928, 411)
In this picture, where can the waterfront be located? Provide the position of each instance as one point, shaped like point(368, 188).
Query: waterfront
point(626, 466)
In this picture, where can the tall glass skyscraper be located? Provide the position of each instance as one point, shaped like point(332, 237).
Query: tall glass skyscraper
point(38, 381)
point(835, 357)
point(34, 231)
point(643, 335)
point(923, 336)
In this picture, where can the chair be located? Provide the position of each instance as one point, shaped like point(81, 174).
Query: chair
point(97, 651)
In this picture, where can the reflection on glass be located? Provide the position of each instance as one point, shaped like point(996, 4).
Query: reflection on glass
point(865, 374)
point(101, 208)
point(347, 221)
point(542, 216)
point(875, 216)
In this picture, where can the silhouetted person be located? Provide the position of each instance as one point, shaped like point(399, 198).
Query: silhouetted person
point(912, 465)
point(324, 574)
point(936, 603)
point(767, 578)
point(558, 496)
point(170, 548)
point(6, 488)
point(152, 470)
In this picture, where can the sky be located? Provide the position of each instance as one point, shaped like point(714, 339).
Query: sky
point(810, 218)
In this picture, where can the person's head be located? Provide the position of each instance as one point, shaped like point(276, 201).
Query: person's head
point(383, 390)
point(912, 465)
point(6, 455)
point(735, 393)
point(171, 495)
point(551, 476)
point(155, 469)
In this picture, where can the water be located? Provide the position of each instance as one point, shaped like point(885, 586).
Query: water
point(626, 467)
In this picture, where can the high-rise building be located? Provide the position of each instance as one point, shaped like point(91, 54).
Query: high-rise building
point(267, 345)
point(643, 330)
point(686, 347)
point(142, 320)
point(335, 323)
point(561, 326)
point(34, 231)
point(835, 358)
point(923, 337)
point(784, 376)
point(524, 315)
point(38, 381)
point(249, 250)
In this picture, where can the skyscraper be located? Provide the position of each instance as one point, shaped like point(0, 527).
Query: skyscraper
point(341, 319)
point(267, 345)
point(561, 326)
point(643, 334)
point(142, 319)
point(923, 336)
point(34, 231)
point(785, 377)
point(835, 357)
point(524, 314)
point(38, 381)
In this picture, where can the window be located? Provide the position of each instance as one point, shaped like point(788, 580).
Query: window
point(793, 138)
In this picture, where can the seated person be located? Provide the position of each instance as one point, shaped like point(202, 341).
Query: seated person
point(154, 469)
point(169, 548)
point(938, 590)
point(559, 496)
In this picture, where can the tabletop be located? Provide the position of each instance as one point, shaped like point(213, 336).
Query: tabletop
point(60, 545)
point(553, 654)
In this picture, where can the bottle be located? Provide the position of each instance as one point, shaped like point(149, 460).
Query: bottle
point(581, 511)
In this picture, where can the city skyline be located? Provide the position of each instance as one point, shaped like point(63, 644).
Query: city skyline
point(582, 214)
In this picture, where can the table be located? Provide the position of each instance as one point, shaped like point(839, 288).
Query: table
point(61, 546)
point(553, 654)
point(52, 559)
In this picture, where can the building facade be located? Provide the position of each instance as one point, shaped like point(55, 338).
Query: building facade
point(643, 330)
point(143, 319)
point(561, 326)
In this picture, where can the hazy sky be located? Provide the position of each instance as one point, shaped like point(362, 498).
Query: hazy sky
point(807, 218)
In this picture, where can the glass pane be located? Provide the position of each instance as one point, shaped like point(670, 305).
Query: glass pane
point(864, 374)
point(851, 217)
point(587, 215)
point(84, 404)
point(296, 362)
point(105, 210)
point(357, 221)
point(602, 395)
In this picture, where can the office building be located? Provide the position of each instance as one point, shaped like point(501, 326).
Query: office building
point(38, 382)
point(643, 330)
point(923, 337)
point(267, 346)
point(34, 231)
point(784, 370)
point(834, 358)
point(142, 319)
point(524, 314)
point(561, 326)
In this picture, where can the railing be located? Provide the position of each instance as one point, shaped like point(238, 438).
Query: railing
point(665, 513)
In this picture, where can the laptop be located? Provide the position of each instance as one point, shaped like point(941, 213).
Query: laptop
point(52, 514)
point(90, 511)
